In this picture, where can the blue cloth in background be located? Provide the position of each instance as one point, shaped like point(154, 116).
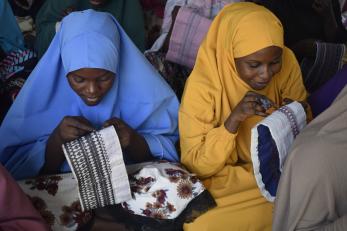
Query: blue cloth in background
point(139, 96)
point(11, 37)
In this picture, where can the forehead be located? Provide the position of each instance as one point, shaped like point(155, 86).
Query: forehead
point(263, 55)
point(90, 72)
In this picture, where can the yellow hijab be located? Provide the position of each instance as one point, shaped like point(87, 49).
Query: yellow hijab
point(214, 87)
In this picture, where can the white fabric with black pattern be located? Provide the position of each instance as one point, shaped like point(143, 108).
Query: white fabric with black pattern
point(97, 162)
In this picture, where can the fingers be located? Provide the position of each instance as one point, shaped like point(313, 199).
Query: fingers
point(287, 101)
point(117, 123)
point(262, 100)
point(73, 127)
point(81, 123)
point(253, 108)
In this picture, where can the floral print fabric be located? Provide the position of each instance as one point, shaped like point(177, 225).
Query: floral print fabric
point(56, 199)
point(162, 190)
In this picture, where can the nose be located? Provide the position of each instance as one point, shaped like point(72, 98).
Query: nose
point(266, 73)
point(92, 88)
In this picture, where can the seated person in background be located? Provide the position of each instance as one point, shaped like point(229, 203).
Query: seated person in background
point(314, 31)
point(16, 61)
point(305, 21)
point(241, 60)
point(23, 8)
point(17, 213)
point(91, 76)
point(127, 12)
point(313, 186)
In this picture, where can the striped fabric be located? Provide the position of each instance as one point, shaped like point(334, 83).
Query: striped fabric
point(188, 32)
point(97, 162)
point(12, 63)
point(329, 59)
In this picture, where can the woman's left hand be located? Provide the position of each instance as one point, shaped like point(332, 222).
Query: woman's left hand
point(288, 101)
point(132, 143)
point(124, 131)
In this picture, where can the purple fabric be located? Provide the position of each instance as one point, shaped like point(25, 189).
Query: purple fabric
point(325, 95)
point(16, 211)
point(189, 30)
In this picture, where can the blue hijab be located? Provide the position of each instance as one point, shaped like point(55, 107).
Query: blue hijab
point(139, 95)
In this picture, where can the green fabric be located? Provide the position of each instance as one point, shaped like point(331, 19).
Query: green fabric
point(128, 13)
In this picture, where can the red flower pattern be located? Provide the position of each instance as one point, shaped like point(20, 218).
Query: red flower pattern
point(40, 205)
point(49, 183)
point(162, 207)
point(73, 215)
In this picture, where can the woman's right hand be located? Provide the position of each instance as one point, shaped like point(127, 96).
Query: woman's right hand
point(72, 127)
point(249, 106)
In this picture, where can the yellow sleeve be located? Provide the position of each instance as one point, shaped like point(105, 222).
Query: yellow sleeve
point(205, 145)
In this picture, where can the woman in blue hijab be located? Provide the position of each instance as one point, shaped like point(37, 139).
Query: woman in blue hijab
point(91, 76)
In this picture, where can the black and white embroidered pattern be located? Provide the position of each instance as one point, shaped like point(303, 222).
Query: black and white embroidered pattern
point(89, 161)
point(289, 113)
point(97, 162)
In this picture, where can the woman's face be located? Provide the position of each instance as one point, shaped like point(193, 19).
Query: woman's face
point(91, 84)
point(258, 68)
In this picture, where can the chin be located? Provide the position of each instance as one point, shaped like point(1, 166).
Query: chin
point(91, 104)
point(257, 88)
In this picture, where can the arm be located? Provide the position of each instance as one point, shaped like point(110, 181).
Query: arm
point(17, 213)
point(219, 142)
point(22, 160)
point(160, 129)
point(206, 145)
point(133, 144)
point(70, 128)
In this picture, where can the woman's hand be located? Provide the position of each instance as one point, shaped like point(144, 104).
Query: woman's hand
point(72, 127)
point(132, 143)
point(251, 104)
point(124, 131)
point(67, 11)
point(288, 101)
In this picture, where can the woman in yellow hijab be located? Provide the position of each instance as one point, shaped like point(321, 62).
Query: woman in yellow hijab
point(241, 60)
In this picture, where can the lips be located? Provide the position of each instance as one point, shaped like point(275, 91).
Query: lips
point(260, 85)
point(91, 100)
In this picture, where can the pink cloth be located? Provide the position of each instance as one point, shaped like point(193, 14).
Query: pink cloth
point(206, 8)
point(16, 211)
point(188, 32)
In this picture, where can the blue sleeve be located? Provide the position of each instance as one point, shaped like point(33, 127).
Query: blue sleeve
point(162, 147)
point(25, 161)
